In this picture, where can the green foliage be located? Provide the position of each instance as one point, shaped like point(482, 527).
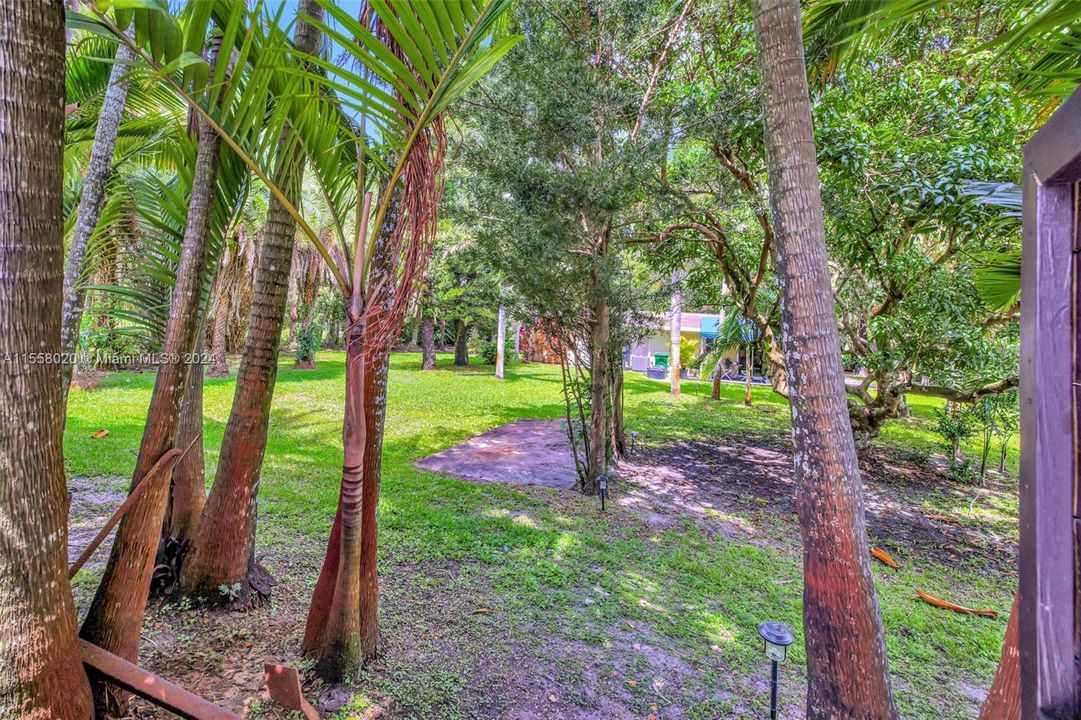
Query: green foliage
point(308, 342)
point(487, 350)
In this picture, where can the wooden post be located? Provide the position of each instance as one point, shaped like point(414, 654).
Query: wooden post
point(1049, 556)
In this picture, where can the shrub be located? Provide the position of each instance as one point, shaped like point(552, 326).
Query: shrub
point(308, 340)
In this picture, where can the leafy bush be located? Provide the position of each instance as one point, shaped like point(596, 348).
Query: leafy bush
point(308, 341)
point(487, 350)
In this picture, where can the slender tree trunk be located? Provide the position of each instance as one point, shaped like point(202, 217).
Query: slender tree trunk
point(115, 618)
point(847, 675)
point(415, 338)
point(427, 342)
point(41, 674)
point(98, 171)
point(224, 547)
point(461, 348)
point(619, 436)
point(342, 629)
point(1003, 450)
point(1003, 701)
point(715, 393)
point(189, 473)
point(597, 459)
point(219, 364)
point(675, 330)
point(500, 341)
point(750, 375)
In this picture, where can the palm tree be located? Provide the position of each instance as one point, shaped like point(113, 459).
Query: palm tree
point(846, 652)
point(98, 171)
point(115, 618)
point(42, 675)
point(222, 551)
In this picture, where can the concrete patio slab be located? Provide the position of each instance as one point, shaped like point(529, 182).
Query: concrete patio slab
point(528, 452)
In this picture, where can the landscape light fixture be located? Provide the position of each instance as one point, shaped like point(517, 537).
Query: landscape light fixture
point(602, 484)
point(776, 637)
point(634, 440)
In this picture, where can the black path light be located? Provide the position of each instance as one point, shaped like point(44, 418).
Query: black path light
point(602, 484)
point(634, 440)
point(776, 637)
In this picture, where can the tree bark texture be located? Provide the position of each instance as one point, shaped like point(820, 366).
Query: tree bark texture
point(219, 363)
point(115, 618)
point(189, 474)
point(99, 169)
point(846, 652)
point(500, 341)
point(597, 457)
point(461, 344)
point(427, 342)
point(675, 330)
point(224, 546)
point(1003, 701)
point(342, 629)
point(41, 674)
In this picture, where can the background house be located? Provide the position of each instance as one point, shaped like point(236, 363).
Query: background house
point(699, 328)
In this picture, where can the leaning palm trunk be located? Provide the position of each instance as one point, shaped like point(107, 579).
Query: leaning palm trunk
point(223, 550)
point(41, 675)
point(98, 171)
point(846, 655)
point(1003, 701)
point(115, 618)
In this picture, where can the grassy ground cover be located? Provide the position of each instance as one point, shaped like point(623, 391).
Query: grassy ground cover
point(595, 615)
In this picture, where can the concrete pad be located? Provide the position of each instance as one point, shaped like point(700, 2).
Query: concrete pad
point(529, 452)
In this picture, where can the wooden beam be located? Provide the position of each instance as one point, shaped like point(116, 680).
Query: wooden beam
point(159, 691)
point(1047, 597)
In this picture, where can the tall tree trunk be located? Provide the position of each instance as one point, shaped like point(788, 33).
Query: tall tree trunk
point(42, 676)
point(223, 550)
point(715, 392)
point(219, 364)
point(427, 342)
point(98, 171)
point(189, 474)
point(749, 377)
point(618, 435)
point(115, 618)
point(500, 340)
point(597, 458)
point(342, 629)
point(461, 348)
point(675, 330)
point(847, 675)
point(1003, 702)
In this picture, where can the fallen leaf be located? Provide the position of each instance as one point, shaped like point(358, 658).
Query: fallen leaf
point(884, 557)
point(947, 605)
point(100, 434)
point(553, 698)
point(483, 611)
point(632, 683)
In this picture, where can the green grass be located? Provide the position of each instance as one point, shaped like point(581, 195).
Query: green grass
point(561, 568)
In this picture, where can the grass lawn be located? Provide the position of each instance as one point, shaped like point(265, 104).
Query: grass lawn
point(595, 615)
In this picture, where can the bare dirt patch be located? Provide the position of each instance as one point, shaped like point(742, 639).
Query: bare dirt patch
point(718, 485)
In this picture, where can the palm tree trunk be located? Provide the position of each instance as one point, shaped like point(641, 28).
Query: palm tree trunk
point(219, 364)
point(715, 392)
point(98, 171)
point(675, 331)
point(42, 676)
point(1003, 701)
point(500, 340)
point(846, 654)
point(461, 347)
point(427, 342)
point(342, 629)
point(189, 474)
point(115, 618)
point(223, 550)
